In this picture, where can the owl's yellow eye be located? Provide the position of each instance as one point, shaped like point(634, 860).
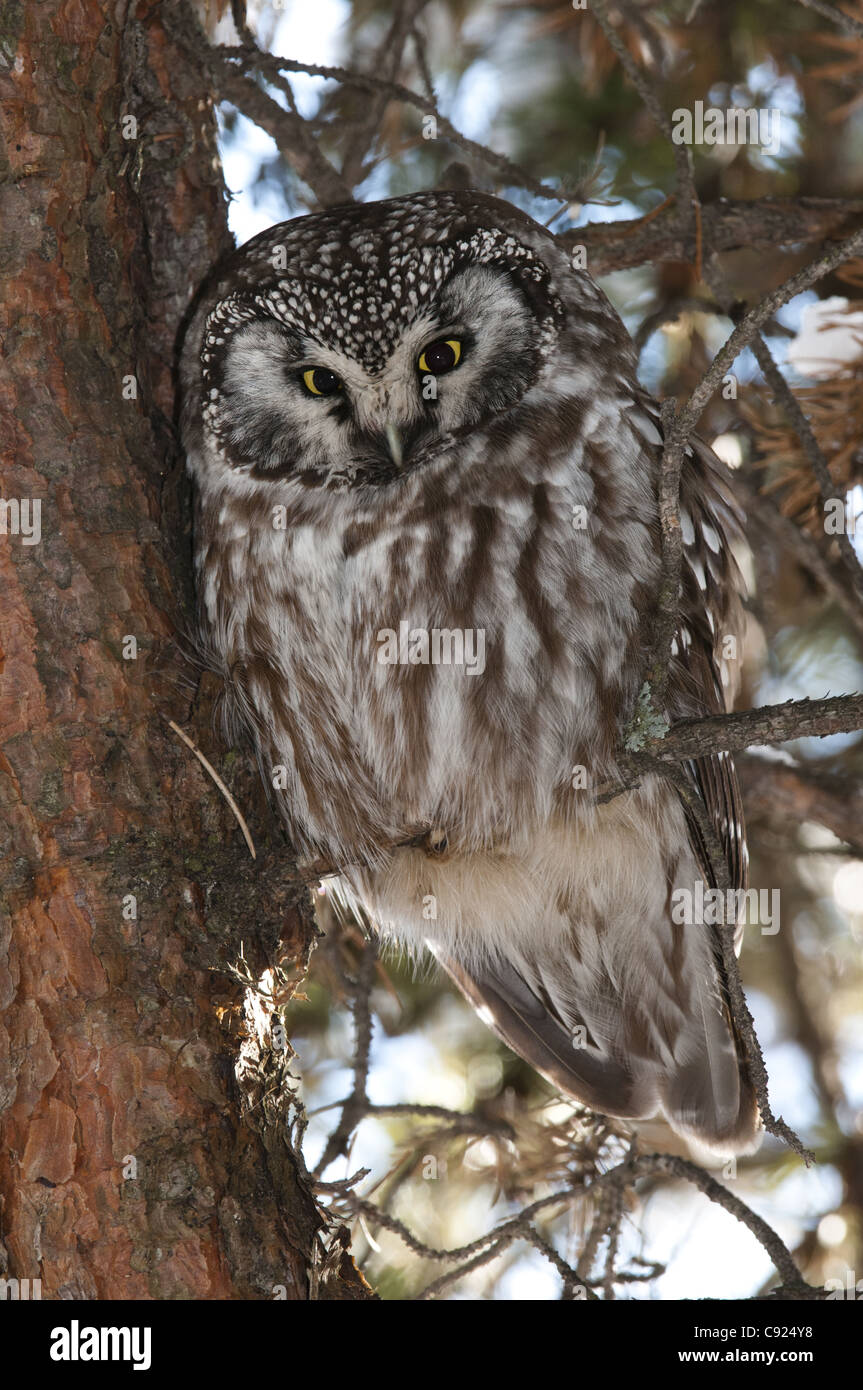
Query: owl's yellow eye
point(439, 358)
point(320, 381)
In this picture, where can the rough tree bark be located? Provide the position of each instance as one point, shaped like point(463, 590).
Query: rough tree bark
point(138, 1161)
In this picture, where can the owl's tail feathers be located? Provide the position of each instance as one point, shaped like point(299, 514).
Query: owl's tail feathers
point(706, 1097)
point(507, 1005)
point(709, 1096)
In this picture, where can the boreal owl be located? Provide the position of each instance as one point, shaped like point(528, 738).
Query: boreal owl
point(427, 557)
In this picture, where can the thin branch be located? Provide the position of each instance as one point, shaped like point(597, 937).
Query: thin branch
point(731, 733)
point(776, 224)
point(786, 398)
point(797, 794)
point(762, 508)
point(512, 173)
point(687, 196)
point(812, 449)
point(768, 724)
point(387, 62)
point(569, 1276)
point(620, 1179)
point(289, 130)
point(673, 1166)
point(219, 783)
point(838, 17)
point(241, 22)
point(745, 331)
point(678, 426)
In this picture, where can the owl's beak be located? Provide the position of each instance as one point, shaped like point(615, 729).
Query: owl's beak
point(394, 444)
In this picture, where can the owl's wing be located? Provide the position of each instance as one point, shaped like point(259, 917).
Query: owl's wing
point(671, 1044)
point(710, 619)
point(710, 615)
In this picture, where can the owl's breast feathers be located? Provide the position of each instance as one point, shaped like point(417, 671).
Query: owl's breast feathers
point(453, 652)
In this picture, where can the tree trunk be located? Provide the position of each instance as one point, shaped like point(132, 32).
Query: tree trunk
point(139, 1160)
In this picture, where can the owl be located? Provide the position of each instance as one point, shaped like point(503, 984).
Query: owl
point(427, 556)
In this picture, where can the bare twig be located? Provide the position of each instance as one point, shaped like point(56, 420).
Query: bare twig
point(800, 793)
point(571, 1280)
point(241, 22)
point(786, 398)
point(762, 508)
point(778, 224)
point(514, 175)
point(673, 1166)
point(769, 724)
point(219, 783)
point(291, 133)
point(619, 1179)
point(730, 733)
point(687, 197)
point(678, 427)
point(843, 21)
point(745, 331)
point(387, 63)
point(811, 448)
point(357, 1103)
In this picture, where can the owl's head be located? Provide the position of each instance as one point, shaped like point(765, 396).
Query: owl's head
point(347, 348)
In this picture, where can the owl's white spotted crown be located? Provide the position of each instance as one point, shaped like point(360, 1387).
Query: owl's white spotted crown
point(358, 274)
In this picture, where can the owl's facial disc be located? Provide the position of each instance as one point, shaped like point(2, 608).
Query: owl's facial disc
point(333, 407)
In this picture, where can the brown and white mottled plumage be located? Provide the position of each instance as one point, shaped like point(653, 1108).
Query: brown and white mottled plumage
point(445, 796)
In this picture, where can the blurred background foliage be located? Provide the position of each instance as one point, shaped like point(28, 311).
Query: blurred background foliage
point(540, 84)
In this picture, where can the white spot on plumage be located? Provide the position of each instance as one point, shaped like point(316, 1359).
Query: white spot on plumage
point(698, 570)
point(711, 538)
